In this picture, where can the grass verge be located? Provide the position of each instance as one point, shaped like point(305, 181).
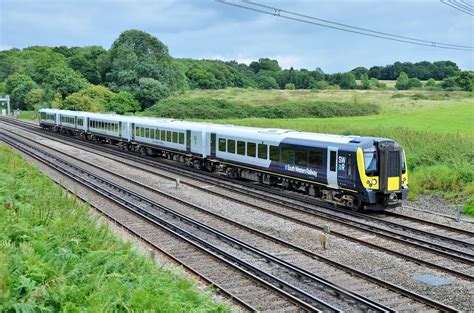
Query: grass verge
point(54, 257)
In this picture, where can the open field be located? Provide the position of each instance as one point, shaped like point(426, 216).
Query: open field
point(47, 265)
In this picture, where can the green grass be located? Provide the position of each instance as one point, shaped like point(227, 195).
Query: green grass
point(54, 257)
point(28, 115)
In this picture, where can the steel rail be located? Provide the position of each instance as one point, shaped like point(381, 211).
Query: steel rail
point(290, 205)
point(353, 298)
point(320, 257)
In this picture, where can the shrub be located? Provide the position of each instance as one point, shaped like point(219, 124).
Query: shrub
point(403, 82)
point(414, 83)
point(322, 84)
point(205, 108)
point(348, 81)
point(290, 86)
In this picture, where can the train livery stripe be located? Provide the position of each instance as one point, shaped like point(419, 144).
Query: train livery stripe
point(281, 175)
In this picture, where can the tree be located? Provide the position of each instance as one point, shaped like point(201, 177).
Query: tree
point(65, 80)
point(93, 98)
point(151, 91)
point(57, 102)
point(348, 81)
point(465, 80)
point(359, 71)
point(86, 62)
point(449, 83)
point(265, 81)
point(35, 99)
point(18, 86)
point(136, 55)
point(200, 78)
point(123, 102)
point(290, 86)
point(364, 79)
point(402, 82)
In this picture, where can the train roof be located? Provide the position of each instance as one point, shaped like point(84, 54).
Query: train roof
point(277, 134)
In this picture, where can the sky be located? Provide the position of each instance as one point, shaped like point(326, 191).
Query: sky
point(206, 29)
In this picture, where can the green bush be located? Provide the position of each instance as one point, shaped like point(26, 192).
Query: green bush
point(205, 108)
point(290, 86)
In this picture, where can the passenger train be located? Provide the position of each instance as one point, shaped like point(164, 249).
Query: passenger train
point(362, 173)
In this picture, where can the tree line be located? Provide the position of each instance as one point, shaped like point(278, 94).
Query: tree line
point(137, 72)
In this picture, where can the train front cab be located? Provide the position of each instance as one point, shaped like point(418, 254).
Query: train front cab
point(383, 173)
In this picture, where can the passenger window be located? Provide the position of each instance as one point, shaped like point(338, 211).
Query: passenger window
point(274, 153)
point(287, 155)
point(163, 135)
point(241, 147)
point(175, 137)
point(142, 132)
point(301, 157)
point(262, 151)
point(152, 133)
point(332, 163)
point(315, 159)
point(157, 134)
point(251, 149)
point(147, 133)
point(168, 135)
point(349, 165)
point(181, 138)
point(231, 146)
point(222, 142)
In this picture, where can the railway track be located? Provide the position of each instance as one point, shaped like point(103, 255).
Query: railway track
point(438, 255)
point(309, 289)
point(394, 297)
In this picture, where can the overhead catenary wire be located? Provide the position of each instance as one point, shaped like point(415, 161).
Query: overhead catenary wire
point(462, 5)
point(467, 3)
point(339, 26)
point(456, 7)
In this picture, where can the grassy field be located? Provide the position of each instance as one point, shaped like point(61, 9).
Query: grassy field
point(54, 257)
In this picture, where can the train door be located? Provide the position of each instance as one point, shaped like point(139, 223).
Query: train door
point(213, 145)
point(331, 167)
point(188, 140)
point(133, 131)
point(120, 129)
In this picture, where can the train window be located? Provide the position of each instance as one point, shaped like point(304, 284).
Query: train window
point(231, 146)
point(370, 161)
point(332, 163)
point(241, 147)
point(157, 134)
point(152, 133)
point(222, 142)
point(168, 135)
point(175, 137)
point(287, 155)
point(315, 159)
point(275, 153)
point(262, 151)
point(251, 149)
point(163, 135)
point(301, 157)
point(403, 162)
point(137, 131)
point(147, 133)
point(181, 139)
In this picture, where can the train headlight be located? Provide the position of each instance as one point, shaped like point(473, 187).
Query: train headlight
point(368, 182)
point(374, 181)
